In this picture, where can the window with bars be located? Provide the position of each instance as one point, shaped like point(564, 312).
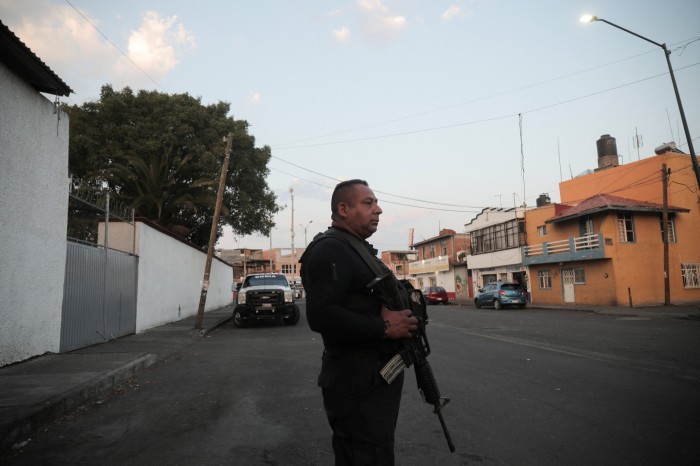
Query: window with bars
point(625, 228)
point(545, 278)
point(691, 275)
point(671, 230)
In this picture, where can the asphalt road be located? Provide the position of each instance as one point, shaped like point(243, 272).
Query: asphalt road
point(527, 387)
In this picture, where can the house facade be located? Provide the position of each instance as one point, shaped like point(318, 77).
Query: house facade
point(496, 238)
point(440, 262)
point(398, 262)
point(604, 244)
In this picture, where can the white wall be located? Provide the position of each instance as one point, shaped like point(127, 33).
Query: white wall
point(33, 219)
point(170, 279)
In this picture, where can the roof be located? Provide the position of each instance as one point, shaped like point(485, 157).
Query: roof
point(25, 64)
point(606, 202)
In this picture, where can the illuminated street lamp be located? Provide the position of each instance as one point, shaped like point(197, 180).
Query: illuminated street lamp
point(667, 54)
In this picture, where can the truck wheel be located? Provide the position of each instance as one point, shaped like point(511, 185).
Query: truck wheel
point(294, 318)
point(237, 320)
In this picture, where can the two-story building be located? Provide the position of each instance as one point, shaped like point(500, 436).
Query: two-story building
point(604, 244)
point(398, 261)
point(496, 236)
point(440, 262)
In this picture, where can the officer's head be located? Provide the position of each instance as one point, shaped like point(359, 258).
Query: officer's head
point(354, 208)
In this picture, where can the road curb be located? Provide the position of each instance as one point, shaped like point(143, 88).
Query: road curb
point(57, 406)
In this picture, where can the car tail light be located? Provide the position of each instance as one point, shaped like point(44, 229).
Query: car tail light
point(502, 293)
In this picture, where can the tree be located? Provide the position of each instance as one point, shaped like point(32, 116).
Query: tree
point(162, 155)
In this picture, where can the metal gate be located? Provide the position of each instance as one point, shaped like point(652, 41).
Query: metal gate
point(99, 296)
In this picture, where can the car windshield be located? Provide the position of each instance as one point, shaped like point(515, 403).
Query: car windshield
point(265, 280)
point(438, 289)
point(508, 286)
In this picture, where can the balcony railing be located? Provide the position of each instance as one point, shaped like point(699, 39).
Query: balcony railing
point(575, 248)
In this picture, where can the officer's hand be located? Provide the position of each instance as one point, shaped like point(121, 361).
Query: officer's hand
point(399, 324)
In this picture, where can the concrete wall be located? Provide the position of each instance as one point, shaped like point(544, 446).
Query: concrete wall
point(170, 277)
point(33, 207)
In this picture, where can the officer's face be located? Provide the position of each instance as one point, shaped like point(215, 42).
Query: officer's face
point(361, 212)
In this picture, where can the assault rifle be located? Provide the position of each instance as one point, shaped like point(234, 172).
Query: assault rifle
point(415, 352)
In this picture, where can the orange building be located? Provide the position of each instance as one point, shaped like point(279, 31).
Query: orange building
point(604, 244)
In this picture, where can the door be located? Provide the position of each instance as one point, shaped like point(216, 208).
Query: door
point(567, 276)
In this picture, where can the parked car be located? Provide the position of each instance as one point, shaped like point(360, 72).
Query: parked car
point(435, 294)
point(501, 294)
point(265, 296)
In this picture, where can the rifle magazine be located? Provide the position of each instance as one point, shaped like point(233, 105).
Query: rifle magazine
point(393, 368)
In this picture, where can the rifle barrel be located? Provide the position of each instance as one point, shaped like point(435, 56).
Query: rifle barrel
point(444, 428)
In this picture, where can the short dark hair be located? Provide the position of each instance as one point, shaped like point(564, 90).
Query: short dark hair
point(340, 194)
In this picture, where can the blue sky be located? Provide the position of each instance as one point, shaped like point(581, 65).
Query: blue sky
point(439, 105)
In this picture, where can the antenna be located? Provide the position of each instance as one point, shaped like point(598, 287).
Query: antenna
point(561, 178)
point(638, 141)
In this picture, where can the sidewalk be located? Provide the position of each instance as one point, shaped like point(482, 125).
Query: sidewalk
point(35, 392)
point(673, 311)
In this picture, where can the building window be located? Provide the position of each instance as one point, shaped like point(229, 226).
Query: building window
point(497, 237)
point(545, 279)
point(691, 275)
point(542, 230)
point(671, 230)
point(579, 276)
point(399, 269)
point(443, 248)
point(432, 250)
point(625, 228)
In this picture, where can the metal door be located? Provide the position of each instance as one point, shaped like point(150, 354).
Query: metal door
point(567, 276)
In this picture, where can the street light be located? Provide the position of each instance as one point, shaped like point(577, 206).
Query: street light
point(306, 244)
point(667, 54)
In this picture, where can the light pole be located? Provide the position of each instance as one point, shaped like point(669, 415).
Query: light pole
point(667, 54)
point(306, 244)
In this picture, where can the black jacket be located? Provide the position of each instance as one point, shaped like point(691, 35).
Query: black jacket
point(339, 305)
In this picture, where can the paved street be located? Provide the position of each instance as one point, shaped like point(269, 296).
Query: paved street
point(531, 387)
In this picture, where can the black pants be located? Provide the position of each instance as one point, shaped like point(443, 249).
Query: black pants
point(362, 410)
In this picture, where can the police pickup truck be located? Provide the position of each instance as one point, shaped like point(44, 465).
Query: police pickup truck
point(265, 296)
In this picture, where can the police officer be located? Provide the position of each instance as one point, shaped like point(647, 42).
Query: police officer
point(360, 334)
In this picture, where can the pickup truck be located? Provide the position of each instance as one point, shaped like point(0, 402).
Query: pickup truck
point(265, 296)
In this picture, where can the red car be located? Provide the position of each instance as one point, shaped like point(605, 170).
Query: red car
point(435, 294)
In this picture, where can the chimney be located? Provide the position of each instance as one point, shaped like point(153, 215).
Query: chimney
point(607, 152)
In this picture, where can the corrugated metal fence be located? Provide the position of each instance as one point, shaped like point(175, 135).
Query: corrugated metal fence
point(99, 296)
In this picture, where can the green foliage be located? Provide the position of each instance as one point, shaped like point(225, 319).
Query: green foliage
point(162, 155)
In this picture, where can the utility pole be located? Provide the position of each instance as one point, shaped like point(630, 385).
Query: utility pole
point(294, 253)
point(664, 232)
point(212, 235)
point(270, 235)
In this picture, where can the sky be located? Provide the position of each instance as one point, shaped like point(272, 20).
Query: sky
point(444, 107)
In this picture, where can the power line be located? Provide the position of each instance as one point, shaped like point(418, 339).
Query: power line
point(115, 46)
point(682, 48)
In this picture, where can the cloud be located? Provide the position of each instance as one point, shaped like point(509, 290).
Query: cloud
point(254, 98)
point(342, 35)
point(450, 13)
point(155, 48)
point(379, 20)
